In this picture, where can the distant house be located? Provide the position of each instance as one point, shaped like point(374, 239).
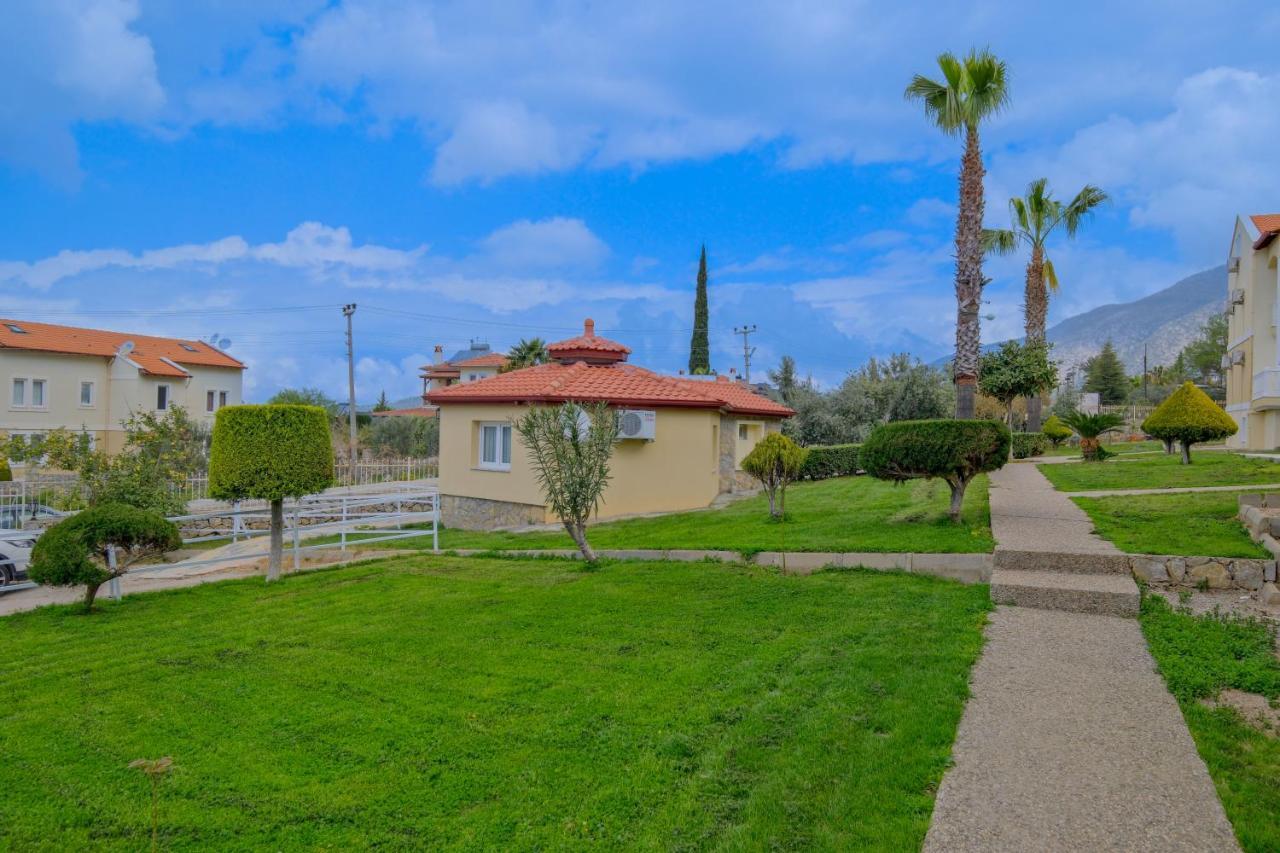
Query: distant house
point(468, 365)
point(683, 439)
point(94, 380)
point(1252, 362)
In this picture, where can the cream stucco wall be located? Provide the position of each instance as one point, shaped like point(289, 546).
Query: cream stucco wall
point(1253, 386)
point(119, 391)
point(679, 469)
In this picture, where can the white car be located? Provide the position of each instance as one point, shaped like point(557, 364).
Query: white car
point(15, 551)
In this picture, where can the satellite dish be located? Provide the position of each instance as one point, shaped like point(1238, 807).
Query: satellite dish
point(224, 343)
point(125, 348)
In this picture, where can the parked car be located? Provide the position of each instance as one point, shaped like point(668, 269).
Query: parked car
point(13, 516)
point(15, 551)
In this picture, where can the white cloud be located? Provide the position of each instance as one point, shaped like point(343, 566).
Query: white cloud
point(553, 243)
point(929, 211)
point(317, 246)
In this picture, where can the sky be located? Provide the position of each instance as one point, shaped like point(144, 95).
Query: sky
point(500, 171)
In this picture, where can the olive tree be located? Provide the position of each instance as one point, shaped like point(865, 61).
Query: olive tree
point(775, 461)
point(953, 451)
point(1016, 370)
point(270, 452)
point(1187, 417)
point(76, 551)
point(570, 447)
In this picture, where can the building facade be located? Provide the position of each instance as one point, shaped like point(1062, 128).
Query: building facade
point(468, 365)
point(1252, 362)
point(683, 444)
point(93, 381)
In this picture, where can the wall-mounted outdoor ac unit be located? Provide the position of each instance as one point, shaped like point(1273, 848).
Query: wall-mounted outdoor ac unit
point(638, 424)
point(1237, 296)
point(1237, 357)
point(1233, 265)
point(1226, 362)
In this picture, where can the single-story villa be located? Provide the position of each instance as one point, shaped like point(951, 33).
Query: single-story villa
point(683, 439)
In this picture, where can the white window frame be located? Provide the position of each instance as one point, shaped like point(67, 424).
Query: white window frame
point(14, 383)
point(93, 394)
point(224, 399)
point(168, 396)
point(43, 405)
point(220, 399)
point(498, 463)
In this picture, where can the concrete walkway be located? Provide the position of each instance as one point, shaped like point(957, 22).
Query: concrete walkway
point(1106, 493)
point(1070, 741)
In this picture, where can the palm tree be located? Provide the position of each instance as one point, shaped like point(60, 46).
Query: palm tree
point(527, 353)
point(1091, 428)
point(972, 90)
point(1035, 217)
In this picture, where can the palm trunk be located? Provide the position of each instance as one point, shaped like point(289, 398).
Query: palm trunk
point(969, 280)
point(277, 540)
point(1036, 300)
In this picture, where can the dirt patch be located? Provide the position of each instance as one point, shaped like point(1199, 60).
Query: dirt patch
point(1236, 602)
point(1256, 710)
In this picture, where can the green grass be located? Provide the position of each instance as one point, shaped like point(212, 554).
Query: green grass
point(842, 514)
point(1161, 471)
point(1194, 524)
point(1118, 447)
point(436, 702)
point(1200, 656)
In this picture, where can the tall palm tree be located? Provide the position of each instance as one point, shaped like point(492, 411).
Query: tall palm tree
point(1035, 217)
point(527, 353)
point(972, 90)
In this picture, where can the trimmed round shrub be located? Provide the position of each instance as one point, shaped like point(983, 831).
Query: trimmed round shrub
point(74, 552)
point(1027, 444)
point(775, 461)
point(270, 452)
point(953, 451)
point(1055, 430)
point(824, 461)
point(1189, 416)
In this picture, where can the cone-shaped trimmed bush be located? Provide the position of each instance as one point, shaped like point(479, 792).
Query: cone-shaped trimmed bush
point(1055, 430)
point(1188, 416)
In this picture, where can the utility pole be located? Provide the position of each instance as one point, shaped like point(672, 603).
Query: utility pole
point(347, 311)
point(747, 350)
point(1145, 373)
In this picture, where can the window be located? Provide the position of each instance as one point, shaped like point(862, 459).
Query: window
point(189, 348)
point(214, 400)
point(495, 446)
point(37, 393)
point(162, 398)
point(222, 399)
point(19, 398)
point(742, 432)
point(15, 328)
point(86, 394)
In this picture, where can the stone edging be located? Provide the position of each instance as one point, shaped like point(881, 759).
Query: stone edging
point(966, 568)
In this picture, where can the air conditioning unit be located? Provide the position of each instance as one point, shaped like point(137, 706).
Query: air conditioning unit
point(1237, 296)
point(638, 424)
point(1233, 265)
point(1226, 362)
point(1237, 357)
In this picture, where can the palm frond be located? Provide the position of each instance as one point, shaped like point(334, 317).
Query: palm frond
point(988, 88)
point(1082, 207)
point(999, 241)
point(1092, 425)
point(1050, 276)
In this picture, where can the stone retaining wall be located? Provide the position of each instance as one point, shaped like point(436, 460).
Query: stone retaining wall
point(1213, 572)
point(464, 513)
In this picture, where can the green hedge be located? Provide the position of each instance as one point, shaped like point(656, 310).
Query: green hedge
point(270, 452)
point(1029, 444)
point(906, 450)
point(830, 460)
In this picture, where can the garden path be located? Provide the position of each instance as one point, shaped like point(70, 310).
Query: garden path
point(1070, 740)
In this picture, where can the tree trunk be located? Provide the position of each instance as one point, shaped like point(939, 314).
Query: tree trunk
point(1036, 308)
point(1034, 423)
point(969, 279)
point(1186, 453)
point(773, 512)
point(277, 540)
point(90, 593)
point(1088, 447)
point(1168, 446)
point(578, 532)
point(957, 497)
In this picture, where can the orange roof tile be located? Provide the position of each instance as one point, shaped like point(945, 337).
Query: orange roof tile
point(493, 359)
point(588, 347)
point(1269, 226)
point(153, 355)
point(617, 384)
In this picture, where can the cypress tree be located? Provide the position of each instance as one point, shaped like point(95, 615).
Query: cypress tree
point(699, 348)
point(1105, 374)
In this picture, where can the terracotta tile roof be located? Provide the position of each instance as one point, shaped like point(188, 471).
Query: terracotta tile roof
point(151, 354)
point(588, 347)
point(1268, 225)
point(618, 384)
point(413, 412)
point(493, 359)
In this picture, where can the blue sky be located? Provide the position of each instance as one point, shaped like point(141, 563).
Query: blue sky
point(504, 170)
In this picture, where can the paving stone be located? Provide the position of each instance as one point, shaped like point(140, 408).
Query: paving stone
point(1246, 574)
point(1269, 594)
point(1212, 572)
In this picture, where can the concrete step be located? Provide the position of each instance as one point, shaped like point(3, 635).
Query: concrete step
point(1081, 563)
point(1104, 594)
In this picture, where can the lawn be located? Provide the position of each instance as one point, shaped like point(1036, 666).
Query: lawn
point(492, 704)
point(1200, 656)
point(842, 514)
point(1119, 447)
point(1189, 523)
point(1162, 471)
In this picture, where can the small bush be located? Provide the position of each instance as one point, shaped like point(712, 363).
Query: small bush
point(775, 461)
point(6, 473)
point(954, 451)
point(824, 461)
point(1188, 416)
point(1029, 444)
point(74, 551)
point(1055, 430)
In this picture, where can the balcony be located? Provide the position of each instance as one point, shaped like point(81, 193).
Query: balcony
point(1266, 385)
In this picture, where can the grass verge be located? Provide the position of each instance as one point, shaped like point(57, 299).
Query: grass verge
point(1199, 656)
point(1193, 524)
point(1161, 471)
point(492, 704)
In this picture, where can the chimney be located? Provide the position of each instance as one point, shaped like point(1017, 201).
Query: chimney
point(733, 371)
point(589, 328)
point(438, 356)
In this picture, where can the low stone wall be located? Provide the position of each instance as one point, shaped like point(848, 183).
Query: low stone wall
point(1194, 572)
point(464, 513)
